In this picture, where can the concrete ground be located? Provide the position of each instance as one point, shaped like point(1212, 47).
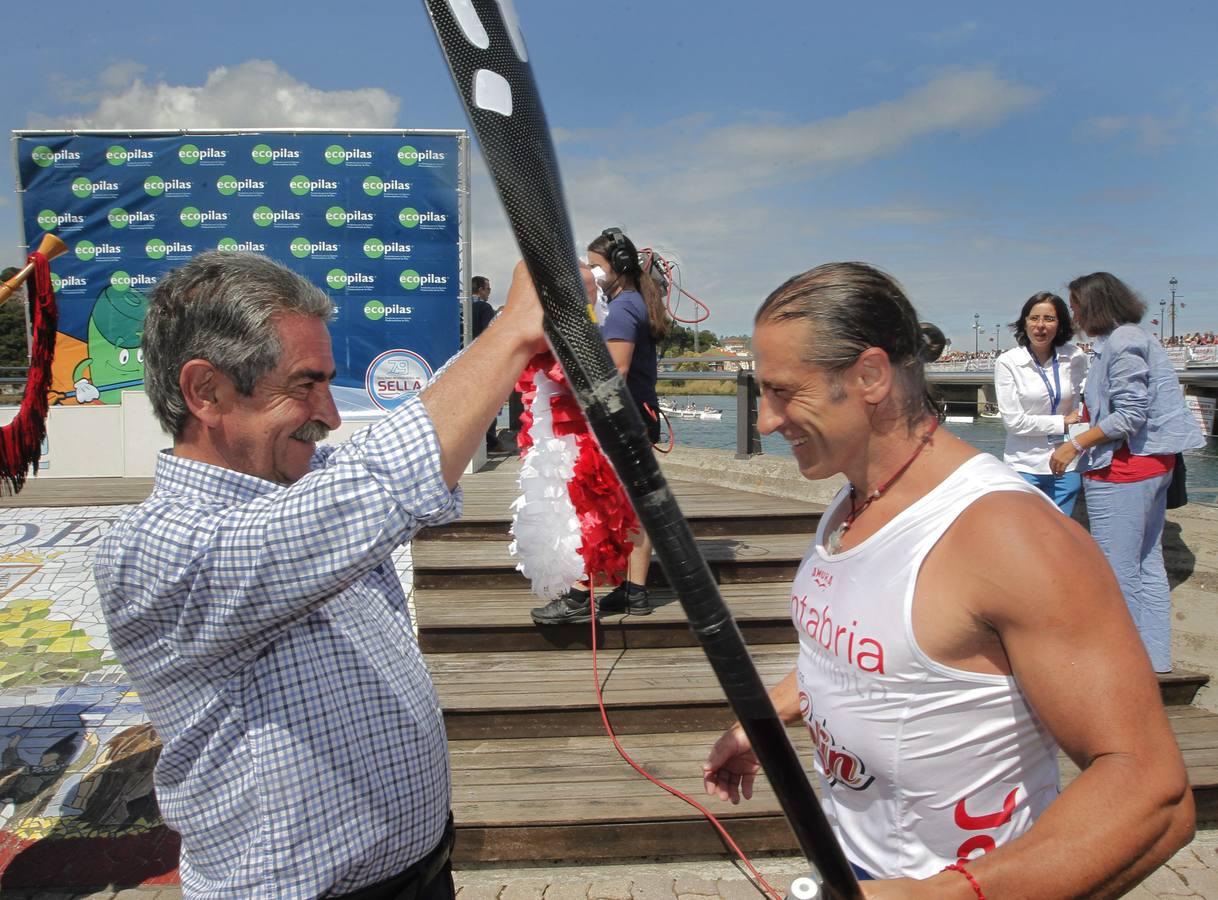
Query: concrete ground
point(1191, 873)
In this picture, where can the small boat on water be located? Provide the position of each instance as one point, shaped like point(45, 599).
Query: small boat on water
point(690, 411)
point(959, 420)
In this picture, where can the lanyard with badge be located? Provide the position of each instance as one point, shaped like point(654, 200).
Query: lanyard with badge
point(1054, 390)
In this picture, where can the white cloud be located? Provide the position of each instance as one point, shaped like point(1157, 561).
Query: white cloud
point(253, 94)
point(706, 192)
point(1149, 132)
point(954, 35)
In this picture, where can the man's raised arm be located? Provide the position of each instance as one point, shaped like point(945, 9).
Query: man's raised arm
point(468, 394)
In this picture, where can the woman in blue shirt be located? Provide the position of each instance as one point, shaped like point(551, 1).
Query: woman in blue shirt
point(637, 319)
point(1138, 424)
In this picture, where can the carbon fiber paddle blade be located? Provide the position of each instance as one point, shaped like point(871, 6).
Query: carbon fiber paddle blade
point(489, 61)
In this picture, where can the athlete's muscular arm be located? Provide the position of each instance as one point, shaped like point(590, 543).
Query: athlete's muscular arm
point(731, 767)
point(1048, 596)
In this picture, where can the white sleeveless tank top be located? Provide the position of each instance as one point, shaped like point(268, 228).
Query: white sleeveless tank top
point(921, 764)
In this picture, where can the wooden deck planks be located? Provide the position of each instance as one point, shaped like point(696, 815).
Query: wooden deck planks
point(573, 797)
point(463, 557)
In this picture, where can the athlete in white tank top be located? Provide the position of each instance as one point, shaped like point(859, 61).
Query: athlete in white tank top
point(930, 752)
point(922, 764)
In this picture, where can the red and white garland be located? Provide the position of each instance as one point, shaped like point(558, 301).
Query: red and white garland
point(572, 519)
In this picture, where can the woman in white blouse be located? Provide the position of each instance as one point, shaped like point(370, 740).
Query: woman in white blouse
point(1038, 385)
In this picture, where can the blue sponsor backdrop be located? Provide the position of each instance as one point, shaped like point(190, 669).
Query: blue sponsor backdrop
point(373, 219)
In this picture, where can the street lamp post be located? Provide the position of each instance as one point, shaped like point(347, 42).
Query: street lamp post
point(1172, 281)
point(1162, 315)
point(976, 333)
point(997, 337)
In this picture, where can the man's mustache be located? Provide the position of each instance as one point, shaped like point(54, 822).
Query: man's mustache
point(312, 432)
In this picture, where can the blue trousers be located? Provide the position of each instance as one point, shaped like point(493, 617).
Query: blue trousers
point(1127, 523)
point(1061, 489)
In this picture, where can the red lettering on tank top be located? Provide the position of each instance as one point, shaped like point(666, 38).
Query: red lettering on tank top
point(865, 653)
point(981, 842)
point(993, 820)
point(838, 764)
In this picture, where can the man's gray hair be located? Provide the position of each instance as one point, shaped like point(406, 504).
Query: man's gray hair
point(219, 307)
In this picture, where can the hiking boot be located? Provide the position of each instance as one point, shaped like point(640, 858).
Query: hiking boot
point(626, 598)
point(572, 607)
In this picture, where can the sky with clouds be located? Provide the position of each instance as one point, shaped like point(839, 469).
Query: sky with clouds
point(978, 152)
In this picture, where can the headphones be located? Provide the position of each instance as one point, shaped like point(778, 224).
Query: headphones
point(622, 257)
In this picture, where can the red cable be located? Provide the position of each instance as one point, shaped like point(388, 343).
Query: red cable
point(667, 268)
point(710, 817)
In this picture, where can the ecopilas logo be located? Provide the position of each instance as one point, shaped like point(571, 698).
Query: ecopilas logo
point(303, 248)
point(339, 279)
point(120, 218)
point(375, 310)
point(118, 155)
point(68, 284)
point(410, 156)
point(413, 218)
point(122, 281)
point(190, 154)
point(232, 245)
point(375, 248)
point(412, 281)
point(87, 251)
point(244, 187)
point(155, 186)
point(280, 156)
point(158, 249)
point(338, 155)
point(49, 220)
point(193, 217)
point(303, 185)
point(280, 218)
point(337, 217)
point(43, 156)
point(84, 188)
point(375, 186)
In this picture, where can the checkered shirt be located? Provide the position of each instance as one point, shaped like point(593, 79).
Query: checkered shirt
point(268, 636)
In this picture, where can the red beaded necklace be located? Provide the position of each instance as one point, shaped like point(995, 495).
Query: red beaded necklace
point(835, 538)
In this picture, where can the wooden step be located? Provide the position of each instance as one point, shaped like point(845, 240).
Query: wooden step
point(484, 564)
point(573, 798)
point(552, 693)
point(497, 619)
point(529, 694)
point(703, 524)
point(710, 510)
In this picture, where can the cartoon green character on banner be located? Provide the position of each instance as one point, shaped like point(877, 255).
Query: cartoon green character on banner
point(115, 360)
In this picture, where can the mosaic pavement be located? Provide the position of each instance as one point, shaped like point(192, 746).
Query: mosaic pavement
point(76, 750)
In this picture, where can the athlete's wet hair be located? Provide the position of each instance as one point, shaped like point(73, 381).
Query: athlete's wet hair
point(850, 307)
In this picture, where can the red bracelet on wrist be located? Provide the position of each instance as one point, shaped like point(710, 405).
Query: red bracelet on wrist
point(958, 867)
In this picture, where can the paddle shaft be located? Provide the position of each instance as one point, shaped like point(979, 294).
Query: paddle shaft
point(486, 55)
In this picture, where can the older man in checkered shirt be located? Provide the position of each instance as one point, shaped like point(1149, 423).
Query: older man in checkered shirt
point(254, 604)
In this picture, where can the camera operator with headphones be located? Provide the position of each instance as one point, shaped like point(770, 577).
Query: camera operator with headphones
point(637, 320)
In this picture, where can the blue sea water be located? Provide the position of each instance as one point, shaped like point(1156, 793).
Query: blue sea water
point(984, 434)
